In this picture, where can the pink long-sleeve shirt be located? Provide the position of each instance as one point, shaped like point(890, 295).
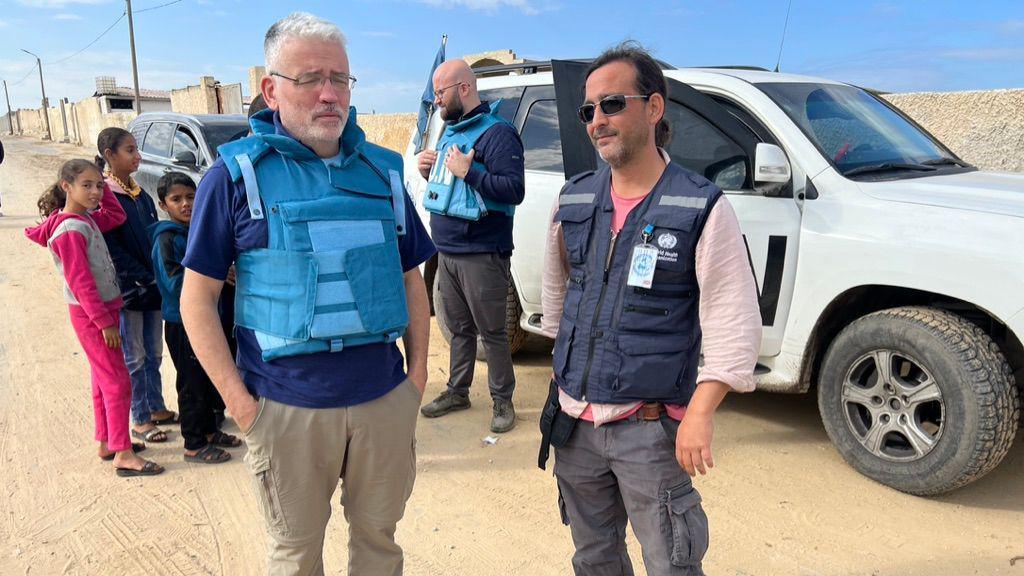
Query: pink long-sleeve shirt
point(730, 320)
point(81, 255)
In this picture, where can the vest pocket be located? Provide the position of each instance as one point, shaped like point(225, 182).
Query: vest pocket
point(375, 277)
point(650, 367)
point(577, 221)
point(273, 292)
point(563, 342)
point(689, 525)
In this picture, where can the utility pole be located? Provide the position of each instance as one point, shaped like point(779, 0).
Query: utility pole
point(42, 88)
point(10, 120)
point(135, 64)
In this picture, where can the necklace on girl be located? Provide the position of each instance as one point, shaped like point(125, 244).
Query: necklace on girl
point(134, 190)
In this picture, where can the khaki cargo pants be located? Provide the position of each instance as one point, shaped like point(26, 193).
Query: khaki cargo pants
point(297, 456)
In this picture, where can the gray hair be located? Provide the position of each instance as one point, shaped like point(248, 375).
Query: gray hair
point(298, 25)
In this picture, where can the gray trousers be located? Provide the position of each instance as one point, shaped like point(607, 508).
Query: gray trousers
point(627, 470)
point(474, 291)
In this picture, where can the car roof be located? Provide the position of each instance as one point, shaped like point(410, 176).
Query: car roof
point(698, 75)
point(202, 119)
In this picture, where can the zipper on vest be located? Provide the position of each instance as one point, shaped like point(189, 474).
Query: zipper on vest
point(647, 310)
point(595, 334)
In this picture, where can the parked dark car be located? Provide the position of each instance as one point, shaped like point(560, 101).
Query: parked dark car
point(183, 142)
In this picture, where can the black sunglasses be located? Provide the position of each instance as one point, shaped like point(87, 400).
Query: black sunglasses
point(610, 106)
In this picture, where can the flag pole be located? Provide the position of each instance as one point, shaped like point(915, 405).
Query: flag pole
point(430, 110)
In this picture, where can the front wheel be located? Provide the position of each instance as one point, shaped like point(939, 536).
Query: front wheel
point(918, 399)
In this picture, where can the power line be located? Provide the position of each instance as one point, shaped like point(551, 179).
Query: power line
point(25, 77)
point(155, 7)
point(89, 45)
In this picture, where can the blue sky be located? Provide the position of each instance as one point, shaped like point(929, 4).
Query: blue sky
point(897, 46)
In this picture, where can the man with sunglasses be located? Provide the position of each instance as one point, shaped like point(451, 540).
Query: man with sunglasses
point(644, 262)
point(483, 163)
point(327, 246)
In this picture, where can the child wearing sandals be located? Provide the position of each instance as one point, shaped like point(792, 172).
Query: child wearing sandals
point(72, 229)
point(130, 249)
point(197, 398)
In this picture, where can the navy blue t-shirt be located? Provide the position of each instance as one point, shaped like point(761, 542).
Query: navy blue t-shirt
point(221, 229)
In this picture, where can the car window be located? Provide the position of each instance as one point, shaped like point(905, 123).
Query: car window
point(509, 100)
point(541, 141)
point(139, 131)
point(699, 146)
point(218, 134)
point(158, 139)
point(185, 142)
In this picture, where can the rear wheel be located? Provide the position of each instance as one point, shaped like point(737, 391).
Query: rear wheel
point(918, 399)
point(513, 313)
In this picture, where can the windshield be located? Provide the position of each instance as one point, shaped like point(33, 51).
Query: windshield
point(217, 134)
point(853, 129)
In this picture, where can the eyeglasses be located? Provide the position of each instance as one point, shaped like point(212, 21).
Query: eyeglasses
point(439, 93)
point(610, 106)
point(315, 81)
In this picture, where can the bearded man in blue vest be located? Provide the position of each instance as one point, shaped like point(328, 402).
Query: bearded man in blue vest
point(644, 263)
point(472, 191)
point(326, 245)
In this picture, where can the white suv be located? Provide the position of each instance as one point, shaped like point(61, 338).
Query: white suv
point(889, 271)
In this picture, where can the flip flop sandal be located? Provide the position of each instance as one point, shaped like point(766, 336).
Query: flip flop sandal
point(208, 455)
point(150, 435)
point(148, 469)
point(225, 440)
point(174, 418)
point(136, 447)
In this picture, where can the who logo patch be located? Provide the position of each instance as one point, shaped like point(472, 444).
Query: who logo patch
point(667, 241)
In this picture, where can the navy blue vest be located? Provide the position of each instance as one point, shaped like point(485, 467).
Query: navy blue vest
point(618, 343)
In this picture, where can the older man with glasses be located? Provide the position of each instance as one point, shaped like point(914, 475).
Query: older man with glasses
point(327, 246)
point(475, 179)
point(644, 263)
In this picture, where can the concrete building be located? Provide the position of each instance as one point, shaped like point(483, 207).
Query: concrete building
point(114, 98)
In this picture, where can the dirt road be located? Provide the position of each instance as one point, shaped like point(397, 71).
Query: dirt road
point(780, 501)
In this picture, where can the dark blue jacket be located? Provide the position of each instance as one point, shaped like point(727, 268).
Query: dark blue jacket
point(131, 248)
point(169, 242)
point(501, 151)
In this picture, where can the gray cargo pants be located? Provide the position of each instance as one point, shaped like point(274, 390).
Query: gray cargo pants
point(474, 291)
point(628, 470)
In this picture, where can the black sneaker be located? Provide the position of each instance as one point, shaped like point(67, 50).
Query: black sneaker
point(446, 402)
point(504, 418)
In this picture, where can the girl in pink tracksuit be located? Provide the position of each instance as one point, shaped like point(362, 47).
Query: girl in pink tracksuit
point(77, 210)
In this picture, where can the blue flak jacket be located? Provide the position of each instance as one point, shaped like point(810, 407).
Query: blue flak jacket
point(618, 343)
point(224, 230)
point(330, 276)
point(496, 177)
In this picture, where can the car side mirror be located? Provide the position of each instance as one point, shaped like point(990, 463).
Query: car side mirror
point(771, 169)
point(185, 158)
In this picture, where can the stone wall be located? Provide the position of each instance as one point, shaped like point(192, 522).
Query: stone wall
point(388, 130)
point(201, 99)
point(984, 128)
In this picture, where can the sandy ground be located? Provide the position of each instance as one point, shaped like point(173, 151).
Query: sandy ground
point(780, 501)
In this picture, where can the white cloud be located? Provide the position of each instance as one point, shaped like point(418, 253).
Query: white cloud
point(65, 16)
point(59, 3)
point(986, 54)
point(1011, 27)
point(2, 23)
point(492, 6)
